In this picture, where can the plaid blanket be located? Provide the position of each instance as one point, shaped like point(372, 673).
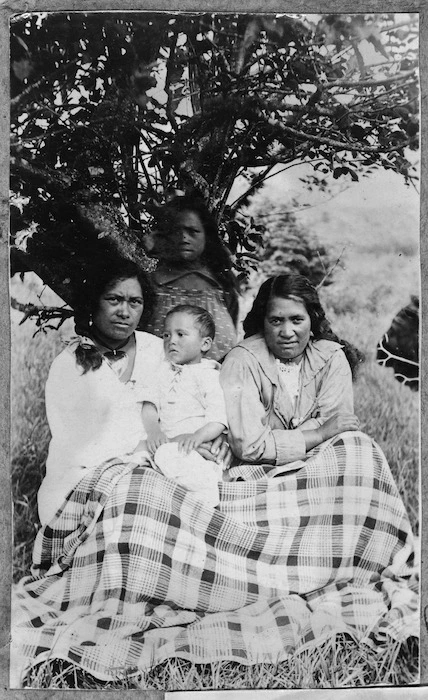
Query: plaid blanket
point(135, 569)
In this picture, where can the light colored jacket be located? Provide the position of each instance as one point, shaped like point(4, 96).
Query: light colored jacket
point(260, 413)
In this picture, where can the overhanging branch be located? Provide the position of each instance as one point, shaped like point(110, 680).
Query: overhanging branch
point(340, 145)
point(47, 176)
point(370, 83)
point(43, 315)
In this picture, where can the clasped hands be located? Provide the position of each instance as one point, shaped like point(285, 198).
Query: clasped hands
point(217, 450)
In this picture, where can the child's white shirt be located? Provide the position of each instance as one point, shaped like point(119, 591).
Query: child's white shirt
point(190, 396)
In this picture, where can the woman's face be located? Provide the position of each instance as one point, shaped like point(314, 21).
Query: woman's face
point(119, 311)
point(188, 237)
point(287, 328)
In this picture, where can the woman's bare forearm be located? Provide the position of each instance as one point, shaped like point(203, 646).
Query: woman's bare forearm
point(333, 426)
point(313, 438)
point(209, 432)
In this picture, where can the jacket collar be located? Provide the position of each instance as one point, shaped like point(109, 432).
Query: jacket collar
point(316, 355)
point(201, 366)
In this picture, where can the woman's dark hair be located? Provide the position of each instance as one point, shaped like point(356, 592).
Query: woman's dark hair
point(100, 278)
point(297, 286)
point(216, 255)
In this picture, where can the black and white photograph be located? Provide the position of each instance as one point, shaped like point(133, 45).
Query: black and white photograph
point(214, 288)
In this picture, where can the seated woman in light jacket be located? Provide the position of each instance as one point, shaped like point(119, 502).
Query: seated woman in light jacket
point(288, 384)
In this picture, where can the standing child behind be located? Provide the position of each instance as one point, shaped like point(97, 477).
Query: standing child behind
point(191, 408)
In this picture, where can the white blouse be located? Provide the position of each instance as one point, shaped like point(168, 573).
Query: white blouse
point(289, 374)
point(93, 416)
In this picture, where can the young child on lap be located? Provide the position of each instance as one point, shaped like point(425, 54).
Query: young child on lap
point(190, 406)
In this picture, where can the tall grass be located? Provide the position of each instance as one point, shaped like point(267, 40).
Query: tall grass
point(339, 662)
point(388, 411)
point(31, 358)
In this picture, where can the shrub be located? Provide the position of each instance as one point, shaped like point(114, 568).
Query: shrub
point(289, 246)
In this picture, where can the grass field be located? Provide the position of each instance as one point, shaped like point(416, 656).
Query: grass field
point(370, 287)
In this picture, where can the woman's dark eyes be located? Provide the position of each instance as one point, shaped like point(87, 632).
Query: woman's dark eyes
point(278, 321)
point(191, 231)
point(117, 300)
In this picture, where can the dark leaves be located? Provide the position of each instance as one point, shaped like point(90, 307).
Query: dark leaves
point(344, 170)
point(128, 106)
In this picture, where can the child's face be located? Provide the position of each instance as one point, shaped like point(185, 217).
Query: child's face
point(182, 340)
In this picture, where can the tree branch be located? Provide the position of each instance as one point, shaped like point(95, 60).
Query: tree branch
point(149, 146)
point(340, 145)
point(169, 109)
point(369, 83)
point(330, 270)
point(19, 99)
point(196, 179)
point(50, 177)
point(261, 179)
point(43, 314)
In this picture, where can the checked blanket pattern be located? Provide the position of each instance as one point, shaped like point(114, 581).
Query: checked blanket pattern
point(134, 569)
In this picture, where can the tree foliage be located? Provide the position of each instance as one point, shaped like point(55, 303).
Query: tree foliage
point(113, 112)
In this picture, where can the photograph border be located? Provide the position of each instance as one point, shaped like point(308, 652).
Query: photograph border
point(9, 9)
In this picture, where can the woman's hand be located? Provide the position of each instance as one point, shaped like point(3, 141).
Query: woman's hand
point(187, 442)
point(155, 439)
point(339, 424)
point(217, 450)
